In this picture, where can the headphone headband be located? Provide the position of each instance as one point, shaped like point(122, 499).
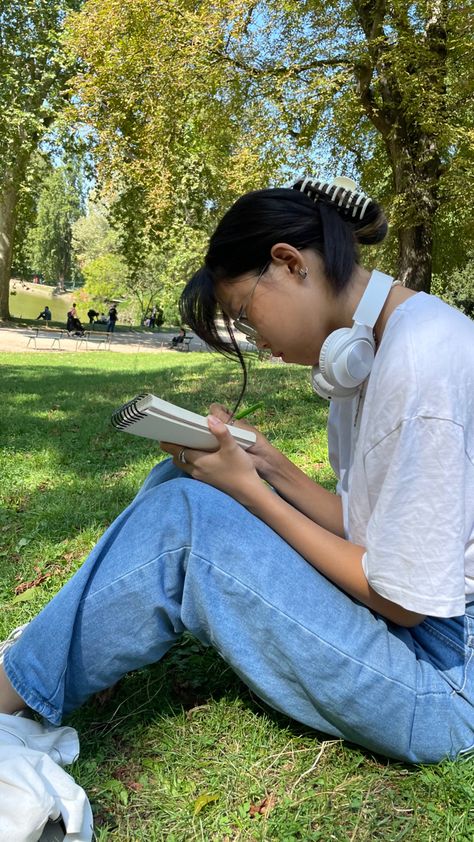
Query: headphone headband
point(373, 299)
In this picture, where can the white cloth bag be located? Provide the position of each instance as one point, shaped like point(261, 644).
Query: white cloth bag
point(34, 787)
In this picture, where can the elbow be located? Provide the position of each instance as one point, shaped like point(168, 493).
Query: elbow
point(395, 613)
point(410, 619)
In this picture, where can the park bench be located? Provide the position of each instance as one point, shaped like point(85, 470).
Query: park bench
point(48, 338)
point(184, 345)
point(51, 339)
point(91, 338)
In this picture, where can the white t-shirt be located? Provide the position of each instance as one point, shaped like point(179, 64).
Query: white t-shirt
point(404, 455)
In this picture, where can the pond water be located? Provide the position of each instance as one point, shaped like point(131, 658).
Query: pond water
point(28, 305)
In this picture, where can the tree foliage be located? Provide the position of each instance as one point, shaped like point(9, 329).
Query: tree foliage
point(457, 287)
point(104, 276)
point(194, 103)
point(164, 120)
point(388, 85)
point(92, 234)
point(173, 144)
point(99, 250)
point(26, 212)
point(33, 71)
point(49, 241)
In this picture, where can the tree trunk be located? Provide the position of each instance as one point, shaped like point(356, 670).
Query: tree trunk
point(416, 186)
point(8, 202)
point(415, 258)
point(414, 153)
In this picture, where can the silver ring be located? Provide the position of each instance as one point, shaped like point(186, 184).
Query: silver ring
point(182, 457)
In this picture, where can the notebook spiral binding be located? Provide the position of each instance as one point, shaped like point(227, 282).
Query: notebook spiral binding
point(128, 414)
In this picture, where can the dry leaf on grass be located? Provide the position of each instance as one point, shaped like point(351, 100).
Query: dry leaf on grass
point(263, 807)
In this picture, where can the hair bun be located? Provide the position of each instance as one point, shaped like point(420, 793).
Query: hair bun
point(353, 205)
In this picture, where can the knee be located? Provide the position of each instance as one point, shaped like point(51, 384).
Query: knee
point(162, 472)
point(175, 494)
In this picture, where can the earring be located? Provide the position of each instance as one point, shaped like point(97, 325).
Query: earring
point(303, 273)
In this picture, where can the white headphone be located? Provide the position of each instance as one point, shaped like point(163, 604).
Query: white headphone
point(347, 354)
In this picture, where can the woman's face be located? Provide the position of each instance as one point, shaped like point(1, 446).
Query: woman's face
point(290, 306)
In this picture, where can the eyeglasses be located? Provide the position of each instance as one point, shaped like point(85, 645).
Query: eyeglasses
point(242, 323)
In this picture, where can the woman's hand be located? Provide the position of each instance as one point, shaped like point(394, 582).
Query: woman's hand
point(230, 468)
point(265, 457)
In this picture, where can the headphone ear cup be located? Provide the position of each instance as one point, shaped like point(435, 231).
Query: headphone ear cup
point(347, 356)
point(327, 390)
point(329, 350)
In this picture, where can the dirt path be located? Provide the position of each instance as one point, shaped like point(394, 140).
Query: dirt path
point(16, 340)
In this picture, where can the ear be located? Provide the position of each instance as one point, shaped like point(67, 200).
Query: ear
point(288, 256)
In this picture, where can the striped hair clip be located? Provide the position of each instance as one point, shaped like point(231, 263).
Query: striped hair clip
point(341, 192)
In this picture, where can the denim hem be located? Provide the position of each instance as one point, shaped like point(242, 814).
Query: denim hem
point(42, 707)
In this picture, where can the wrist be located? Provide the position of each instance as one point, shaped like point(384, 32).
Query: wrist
point(276, 467)
point(250, 493)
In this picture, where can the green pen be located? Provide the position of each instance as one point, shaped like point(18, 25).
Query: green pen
point(244, 412)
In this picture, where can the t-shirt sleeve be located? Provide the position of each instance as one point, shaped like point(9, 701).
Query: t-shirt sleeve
point(415, 540)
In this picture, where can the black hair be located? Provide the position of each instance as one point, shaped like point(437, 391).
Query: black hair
point(243, 240)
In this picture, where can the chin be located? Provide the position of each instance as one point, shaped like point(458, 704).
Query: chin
point(302, 359)
point(299, 361)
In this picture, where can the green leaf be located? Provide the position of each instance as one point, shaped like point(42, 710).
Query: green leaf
point(25, 596)
point(203, 801)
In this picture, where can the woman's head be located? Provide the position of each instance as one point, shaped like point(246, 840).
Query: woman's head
point(311, 218)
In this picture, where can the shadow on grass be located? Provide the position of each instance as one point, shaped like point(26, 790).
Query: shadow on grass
point(188, 680)
point(58, 417)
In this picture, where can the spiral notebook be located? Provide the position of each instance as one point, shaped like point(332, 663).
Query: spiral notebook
point(154, 418)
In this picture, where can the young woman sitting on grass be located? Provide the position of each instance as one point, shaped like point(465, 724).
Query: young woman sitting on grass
point(351, 612)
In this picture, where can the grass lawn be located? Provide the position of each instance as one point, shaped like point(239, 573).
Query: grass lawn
point(181, 750)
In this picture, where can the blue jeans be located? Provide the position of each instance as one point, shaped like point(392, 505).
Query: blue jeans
point(184, 556)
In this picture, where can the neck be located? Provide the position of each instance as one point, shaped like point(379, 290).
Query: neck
point(397, 295)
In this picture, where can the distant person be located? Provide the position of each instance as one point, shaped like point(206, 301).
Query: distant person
point(178, 340)
point(71, 317)
point(92, 314)
point(102, 319)
point(73, 323)
point(113, 316)
point(45, 314)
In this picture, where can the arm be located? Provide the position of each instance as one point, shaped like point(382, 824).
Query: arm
point(306, 495)
point(233, 471)
point(338, 559)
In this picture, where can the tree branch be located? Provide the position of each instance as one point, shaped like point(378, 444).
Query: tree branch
point(280, 70)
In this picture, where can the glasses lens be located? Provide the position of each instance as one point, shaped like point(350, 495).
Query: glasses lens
point(249, 332)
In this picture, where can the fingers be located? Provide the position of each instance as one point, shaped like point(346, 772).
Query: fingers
point(188, 459)
point(179, 454)
point(220, 411)
point(220, 431)
point(173, 449)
